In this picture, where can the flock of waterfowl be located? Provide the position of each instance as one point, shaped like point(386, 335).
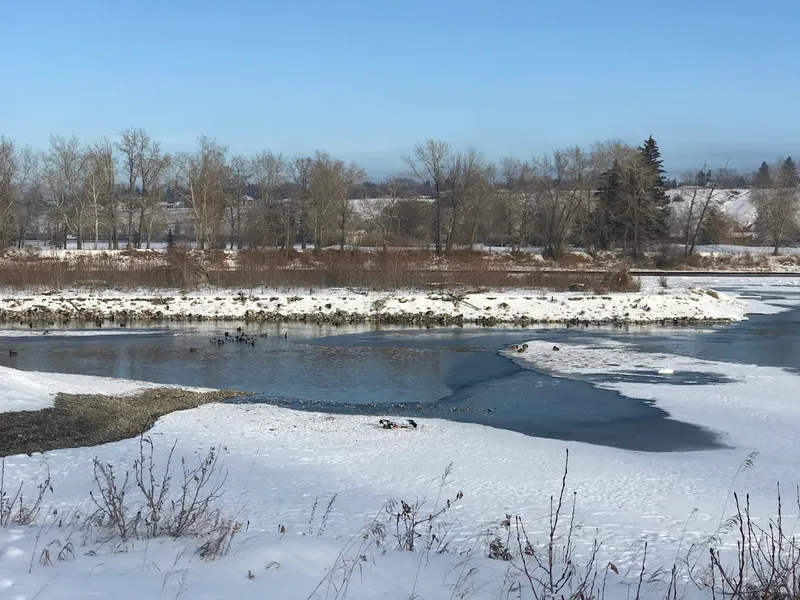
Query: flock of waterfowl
point(524, 347)
point(240, 337)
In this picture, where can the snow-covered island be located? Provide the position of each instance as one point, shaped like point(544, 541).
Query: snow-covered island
point(346, 306)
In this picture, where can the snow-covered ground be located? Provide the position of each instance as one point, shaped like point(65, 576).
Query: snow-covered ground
point(25, 390)
point(281, 461)
point(508, 307)
point(32, 390)
point(750, 290)
point(737, 204)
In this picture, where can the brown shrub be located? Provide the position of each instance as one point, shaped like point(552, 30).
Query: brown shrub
point(183, 269)
point(572, 259)
point(618, 279)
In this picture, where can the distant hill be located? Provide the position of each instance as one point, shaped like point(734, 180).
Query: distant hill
point(736, 203)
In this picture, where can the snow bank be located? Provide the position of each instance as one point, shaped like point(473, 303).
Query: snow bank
point(346, 306)
point(756, 410)
point(762, 295)
point(26, 390)
point(32, 390)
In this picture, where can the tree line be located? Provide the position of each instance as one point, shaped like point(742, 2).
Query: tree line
point(611, 195)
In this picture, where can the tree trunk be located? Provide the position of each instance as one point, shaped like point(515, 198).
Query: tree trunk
point(130, 228)
point(438, 224)
point(201, 238)
point(473, 232)
point(233, 226)
point(289, 241)
point(450, 233)
point(150, 230)
point(697, 229)
point(317, 238)
point(239, 224)
point(140, 229)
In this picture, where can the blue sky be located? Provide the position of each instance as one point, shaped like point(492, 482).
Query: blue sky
point(365, 80)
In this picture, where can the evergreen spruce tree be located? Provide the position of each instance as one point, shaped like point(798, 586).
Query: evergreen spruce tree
point(657, 198)
point(703, 178)
point(607, 224)
point(789, 176)
point(763, 176)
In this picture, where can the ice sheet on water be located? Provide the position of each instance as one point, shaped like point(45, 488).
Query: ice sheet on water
point(753, 408)
point(60, 333)
point(763, 295)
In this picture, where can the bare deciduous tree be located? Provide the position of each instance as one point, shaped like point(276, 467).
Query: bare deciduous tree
point(702, 199)
point(428, 165)
point(557, 197)
point(514, 200)
point(301, 173)
point(777, 207)
point(240, 172)
point(348, 176)
point(383, 212)
point(63, 173)
point(329, 196)
point(98, 185)
point(269, 174)
point(153, 168)
point(18, 168)
point(132, 146)
point(9, 170)
point(200, 180)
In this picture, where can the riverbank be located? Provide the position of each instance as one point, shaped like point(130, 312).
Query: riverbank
point(341, 306)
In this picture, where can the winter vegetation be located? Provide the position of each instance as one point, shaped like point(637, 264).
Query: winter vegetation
point(131, 194)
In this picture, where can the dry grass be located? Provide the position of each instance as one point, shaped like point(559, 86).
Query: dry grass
point(183, 269)
point(617, 279)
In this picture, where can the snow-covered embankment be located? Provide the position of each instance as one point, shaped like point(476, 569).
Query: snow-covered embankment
point(344, 306)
